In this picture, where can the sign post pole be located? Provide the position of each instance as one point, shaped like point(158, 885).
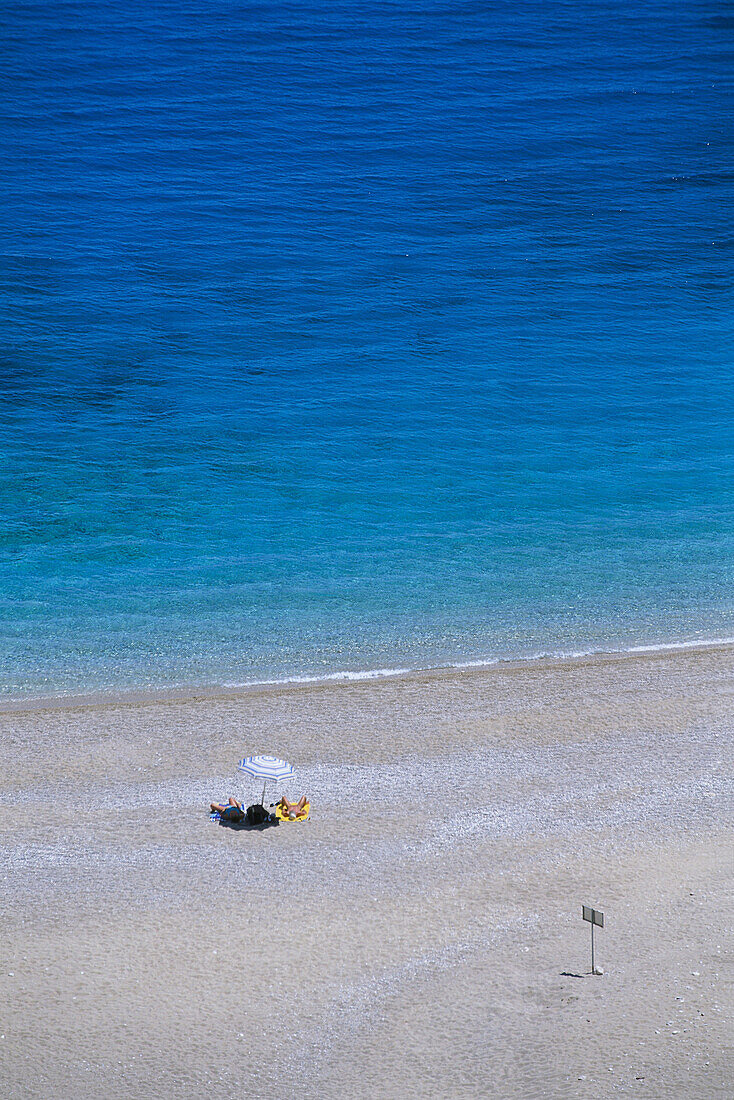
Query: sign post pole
point(593, 916)
point(592, 947)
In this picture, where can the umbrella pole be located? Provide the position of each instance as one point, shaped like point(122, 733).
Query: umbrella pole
point(262, 800)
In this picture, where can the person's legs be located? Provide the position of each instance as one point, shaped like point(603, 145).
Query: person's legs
point(217, 807)
point(301, 804)
point(233, 801)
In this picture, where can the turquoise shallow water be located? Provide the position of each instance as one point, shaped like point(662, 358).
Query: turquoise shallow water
point(336, 341)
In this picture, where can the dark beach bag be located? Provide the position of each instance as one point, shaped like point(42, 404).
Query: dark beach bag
point(256, 814)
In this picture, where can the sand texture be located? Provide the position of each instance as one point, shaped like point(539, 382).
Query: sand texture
point(421, 934)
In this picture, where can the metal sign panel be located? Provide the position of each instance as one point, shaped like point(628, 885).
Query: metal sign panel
point(593, 916)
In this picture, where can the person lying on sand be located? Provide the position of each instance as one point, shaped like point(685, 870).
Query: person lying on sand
point(231, 812)
point(293, 809)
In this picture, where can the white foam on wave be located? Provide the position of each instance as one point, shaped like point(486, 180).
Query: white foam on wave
point(485, 662)
point(361, 674)
point(183, 690)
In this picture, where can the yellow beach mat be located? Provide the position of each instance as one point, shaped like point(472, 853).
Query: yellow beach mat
point(302, 816)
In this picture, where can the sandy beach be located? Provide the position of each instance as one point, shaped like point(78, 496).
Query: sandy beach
point(421, 933)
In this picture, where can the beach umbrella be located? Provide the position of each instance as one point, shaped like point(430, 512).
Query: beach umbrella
point(265, 768)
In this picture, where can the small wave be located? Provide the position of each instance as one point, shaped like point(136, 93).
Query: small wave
point(362, 674)
point(484, 662)
point(183, 691)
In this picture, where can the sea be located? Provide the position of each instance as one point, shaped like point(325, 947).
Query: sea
point(341, 338)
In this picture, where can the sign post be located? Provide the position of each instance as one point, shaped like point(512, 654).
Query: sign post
point(593, 916)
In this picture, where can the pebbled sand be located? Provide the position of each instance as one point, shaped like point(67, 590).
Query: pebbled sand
point(421, 933)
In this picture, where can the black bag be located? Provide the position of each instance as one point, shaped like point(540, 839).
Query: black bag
point(256, 814)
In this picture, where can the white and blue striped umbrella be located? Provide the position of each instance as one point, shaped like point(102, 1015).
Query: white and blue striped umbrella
point(265, 768)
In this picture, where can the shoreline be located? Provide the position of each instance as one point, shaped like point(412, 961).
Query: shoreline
point(16, 704)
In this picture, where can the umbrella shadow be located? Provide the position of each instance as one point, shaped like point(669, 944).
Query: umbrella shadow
point(242, 826)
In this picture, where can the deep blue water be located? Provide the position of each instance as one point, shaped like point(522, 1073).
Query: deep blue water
point(345, 336)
